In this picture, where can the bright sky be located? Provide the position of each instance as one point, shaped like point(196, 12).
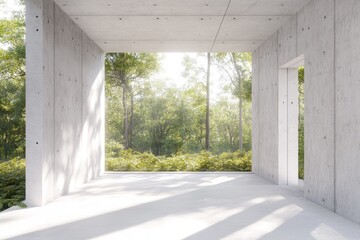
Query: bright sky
point(8, 8)
point(172, 69)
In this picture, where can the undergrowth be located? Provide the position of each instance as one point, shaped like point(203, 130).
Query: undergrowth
point(129, 160)
point(12, 183)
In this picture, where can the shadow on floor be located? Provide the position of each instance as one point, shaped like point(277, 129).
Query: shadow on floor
point(224, 207)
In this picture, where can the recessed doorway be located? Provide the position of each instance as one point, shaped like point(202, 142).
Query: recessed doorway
point(291, 122)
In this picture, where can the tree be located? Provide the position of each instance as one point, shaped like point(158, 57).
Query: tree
point(237, 67)
point(225, 125)
point(12, 86)
point(122, 70)
point(197, 73)
point(163, 122)
point(193, 110)
point(158, 118)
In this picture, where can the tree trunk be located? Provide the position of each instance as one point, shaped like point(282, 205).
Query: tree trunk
point(231, 137)
point(207, 140)
point(240, 123)
point(239, 77)
point(126, 120)
point(131, 130)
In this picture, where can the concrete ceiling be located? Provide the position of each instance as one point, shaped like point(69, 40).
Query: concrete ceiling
point(180, 25)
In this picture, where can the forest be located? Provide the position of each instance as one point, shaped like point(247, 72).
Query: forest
point(12, 109)
point(149, 114)
point(146, 113)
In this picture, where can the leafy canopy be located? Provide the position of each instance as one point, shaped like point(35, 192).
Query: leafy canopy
point(12, 86)
point(122, 68)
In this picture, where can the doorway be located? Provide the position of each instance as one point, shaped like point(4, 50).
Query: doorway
point(290, 122)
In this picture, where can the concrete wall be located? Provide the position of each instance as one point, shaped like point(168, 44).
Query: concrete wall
point(326, 32)
point(255, 112)
point(347, 111)
point(65, 104)
point(267, 113)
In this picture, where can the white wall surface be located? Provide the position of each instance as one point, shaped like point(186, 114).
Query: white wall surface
point(327, 33)
point(65, 104)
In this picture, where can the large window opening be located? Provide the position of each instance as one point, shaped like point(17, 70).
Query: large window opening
point(178, 112)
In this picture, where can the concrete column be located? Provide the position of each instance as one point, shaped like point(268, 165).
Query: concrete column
point(347, 111)
point(293, 126)
point(283, 126)
point(288, 113)
point(39, 101)
point(316, 42)
point(64, 104)
point(255, 112)
point(268, 109)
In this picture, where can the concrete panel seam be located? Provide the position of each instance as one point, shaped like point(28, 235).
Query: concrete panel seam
point(277, 105)
point(258, 107)
point(335, 210)
point(221, 23)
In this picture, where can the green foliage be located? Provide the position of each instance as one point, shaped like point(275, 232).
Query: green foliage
point(237, 68)
point(129, 160)
point(113, 148)
point(114, 114)
point(123, 72)
point(122, 68)
point(225, 125)
point(168, 120)
point(12, 183)
point(301, 123)
point(12, 87)
point(12, 109)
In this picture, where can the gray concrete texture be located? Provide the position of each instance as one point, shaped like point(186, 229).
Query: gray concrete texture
point(347, 111)
point(65, 104)
point(164, 25)
point(268, 104)
point(288, 126)
point(176, 206)
point(326, 32)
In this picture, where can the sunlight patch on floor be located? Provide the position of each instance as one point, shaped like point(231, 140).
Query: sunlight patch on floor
point(268, 223)
point(178, 206)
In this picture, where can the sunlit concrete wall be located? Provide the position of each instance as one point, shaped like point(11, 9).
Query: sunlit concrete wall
point(64, 104)
point(327, 33)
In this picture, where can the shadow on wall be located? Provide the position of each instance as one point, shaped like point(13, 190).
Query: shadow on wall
point(79, 109)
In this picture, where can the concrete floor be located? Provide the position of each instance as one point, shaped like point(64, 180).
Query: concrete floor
point(207, 206)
